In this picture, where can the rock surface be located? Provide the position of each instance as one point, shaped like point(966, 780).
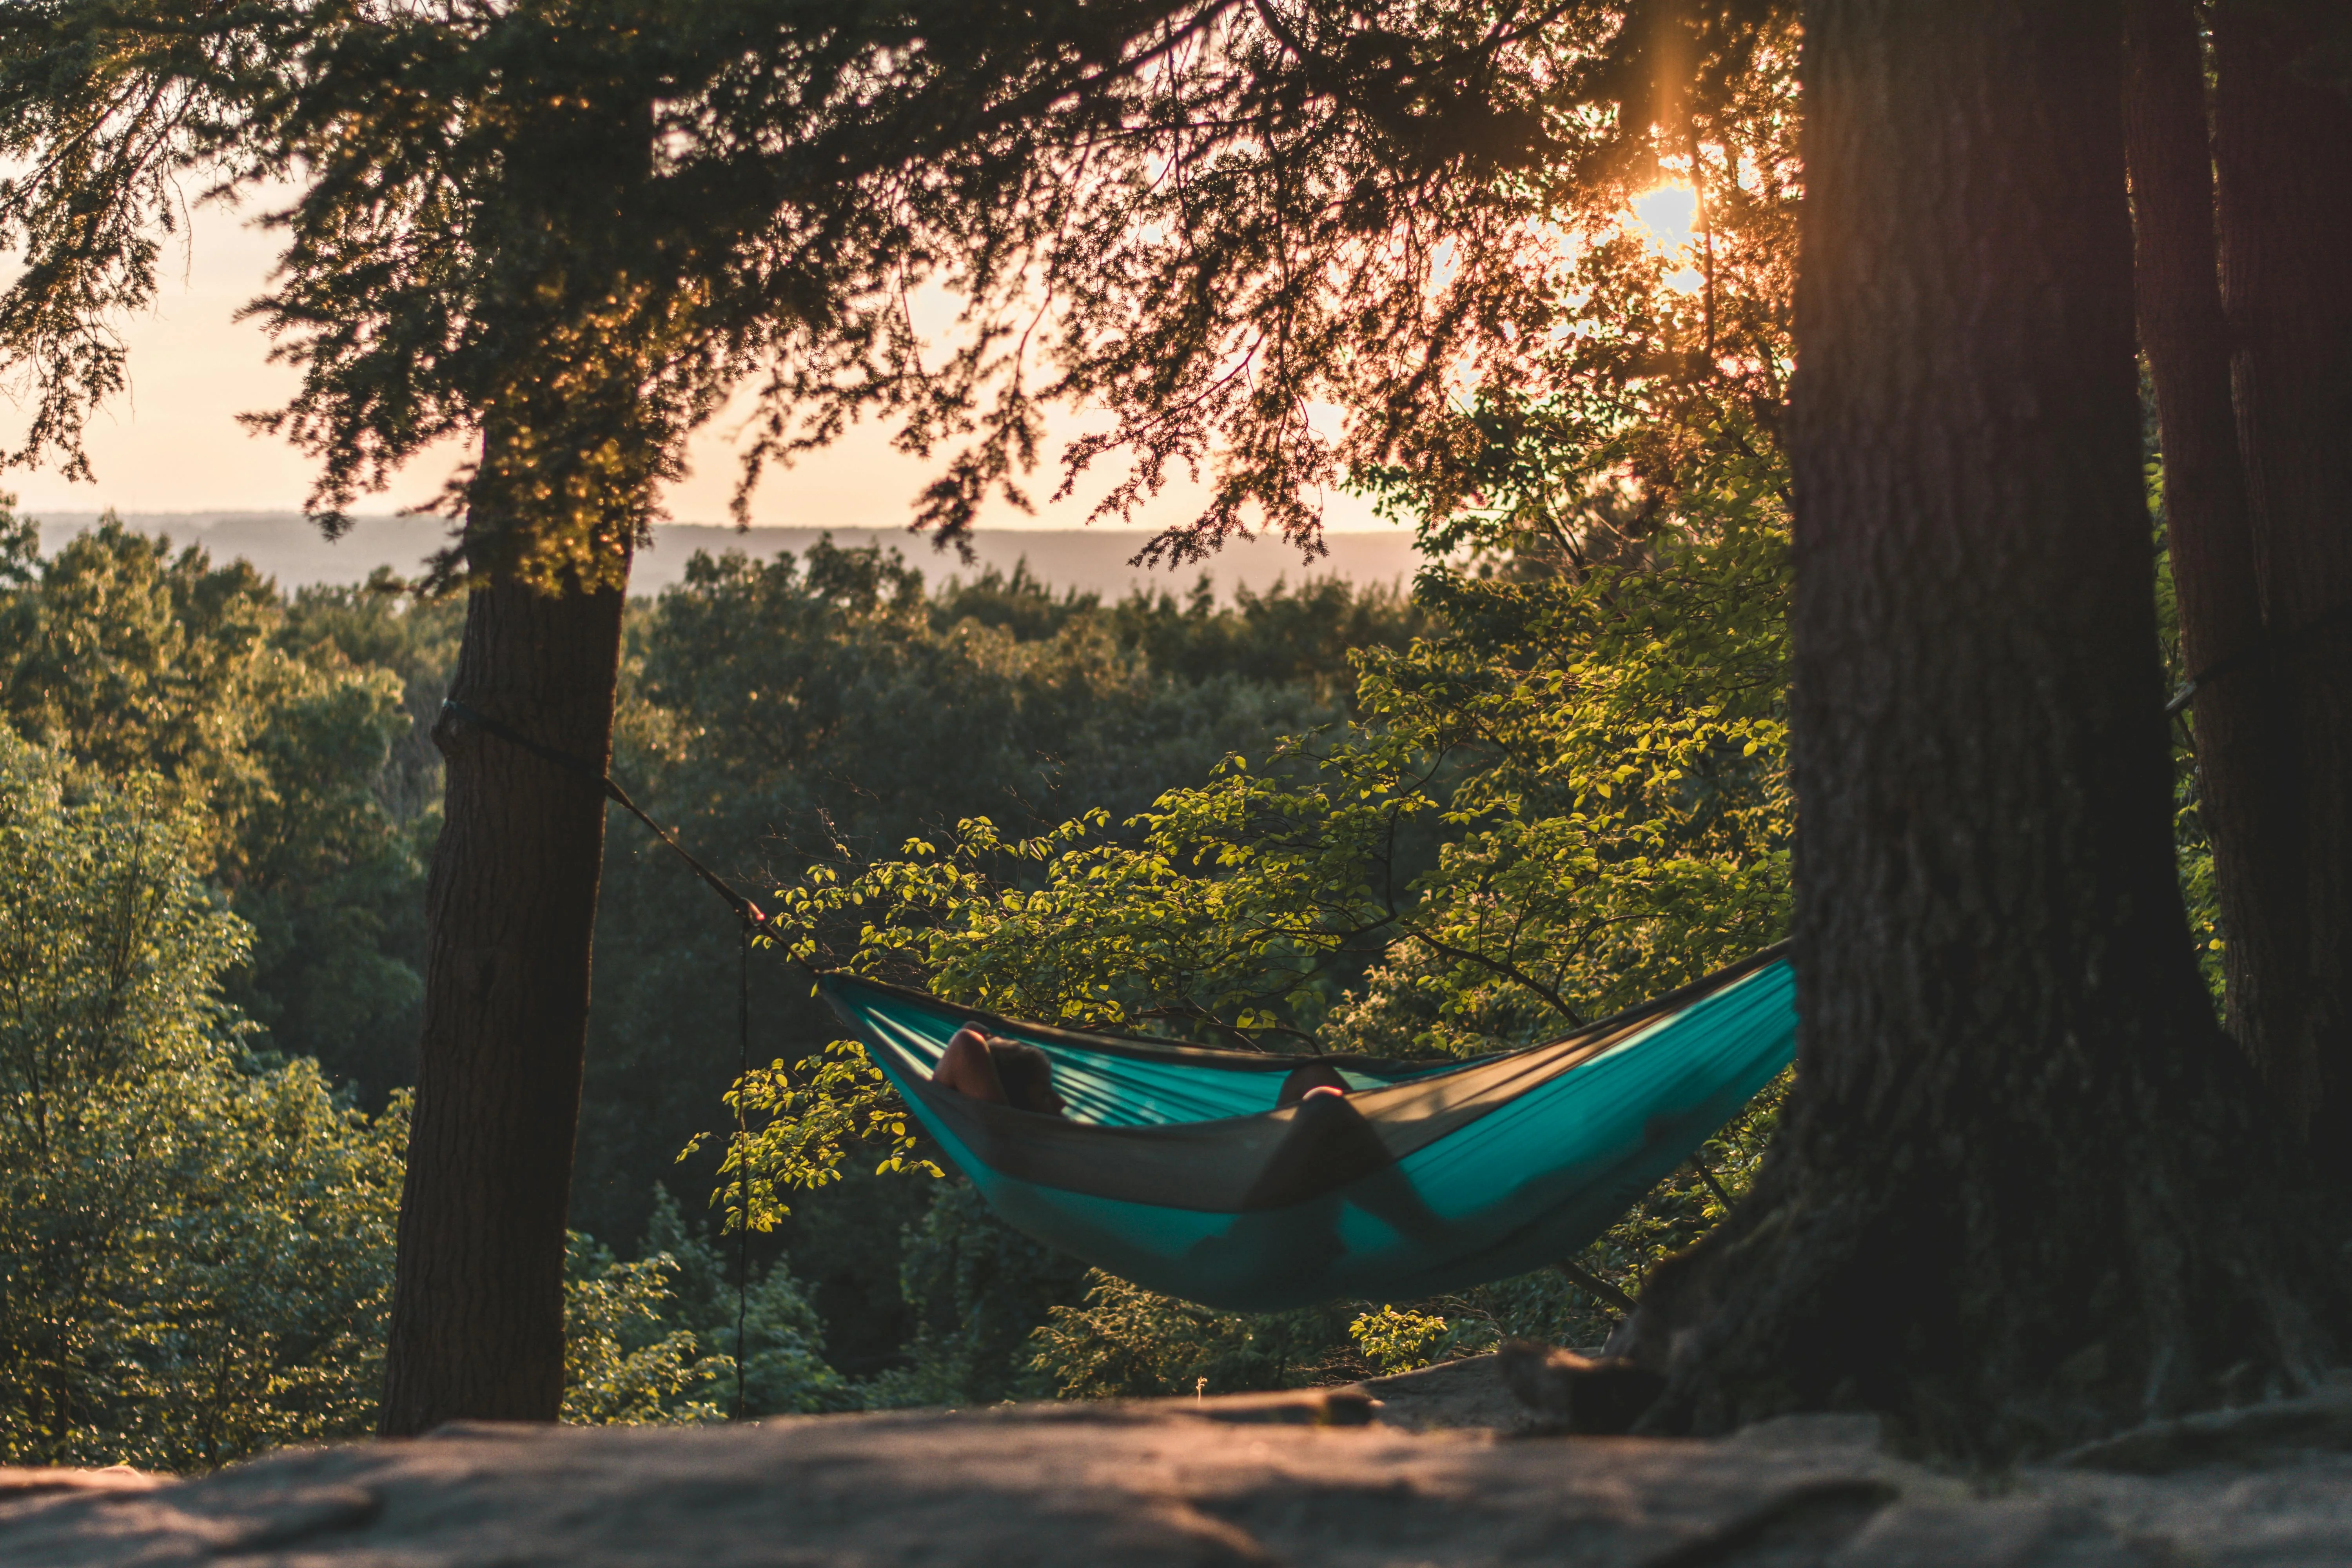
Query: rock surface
point(1428, 1476)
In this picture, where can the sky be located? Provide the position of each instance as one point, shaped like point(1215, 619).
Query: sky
point(172, 443)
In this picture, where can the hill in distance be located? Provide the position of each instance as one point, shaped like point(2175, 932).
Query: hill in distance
point(285, 546)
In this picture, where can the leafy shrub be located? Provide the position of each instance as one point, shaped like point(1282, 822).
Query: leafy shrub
point(1396, 1339)
point(978, 1287)
point(195, 1241)
point(623, 1365)
point(1125, 1341)
point(654, 1341)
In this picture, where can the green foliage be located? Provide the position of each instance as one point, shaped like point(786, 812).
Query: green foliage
point(1398, 1339)
point(1125, 1341)
point(195, 1244)
point(621, 1365)
point(379, 626)
point(808, 712)
point(773, 679)
point(1618, 817)
point(814, 1114)
point(978, 1287)
point(654, 1341)
point(264, 859)
point(786, 1370)
point(138, 659)
point(283, 742)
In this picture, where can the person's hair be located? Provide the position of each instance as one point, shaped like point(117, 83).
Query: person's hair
point(1026, 1074)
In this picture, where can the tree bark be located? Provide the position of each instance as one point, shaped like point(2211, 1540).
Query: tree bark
point(2282, 145)
point(2026, 1191)
point(477, 1303)
point(2245, 758)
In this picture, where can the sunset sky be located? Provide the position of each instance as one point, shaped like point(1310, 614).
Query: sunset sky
point(174, 444)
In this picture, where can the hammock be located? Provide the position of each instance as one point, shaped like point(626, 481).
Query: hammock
point(1175, 1169)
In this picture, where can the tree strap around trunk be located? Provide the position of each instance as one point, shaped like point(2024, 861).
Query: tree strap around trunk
point(745, 909)
point(2228, 662)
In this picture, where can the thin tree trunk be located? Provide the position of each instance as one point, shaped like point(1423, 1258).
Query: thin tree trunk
point(478, 1306)
point(2025, 1190)
point(2283, 144)
point(2245, 758)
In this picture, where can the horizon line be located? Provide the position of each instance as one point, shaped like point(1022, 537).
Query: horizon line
point(40, 513)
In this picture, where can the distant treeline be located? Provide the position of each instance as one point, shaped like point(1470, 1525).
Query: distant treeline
point(288, 546)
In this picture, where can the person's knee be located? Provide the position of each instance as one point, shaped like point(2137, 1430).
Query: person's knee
point(964, 1066)
point(968, 1046)
point(1003, 1072)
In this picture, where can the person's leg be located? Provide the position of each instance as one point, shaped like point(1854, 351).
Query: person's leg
point(967, 1069)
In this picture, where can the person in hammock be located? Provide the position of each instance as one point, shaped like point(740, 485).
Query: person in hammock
point(1006, 1072)
point(1326, 1131)
point(1001, 1072)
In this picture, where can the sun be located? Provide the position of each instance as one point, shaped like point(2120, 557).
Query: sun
point(1668, 214)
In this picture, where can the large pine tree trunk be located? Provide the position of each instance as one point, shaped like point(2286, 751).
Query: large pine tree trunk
point(2245, 762)
point(477, 1307)
point(2025, 1190)
point(2282, 142)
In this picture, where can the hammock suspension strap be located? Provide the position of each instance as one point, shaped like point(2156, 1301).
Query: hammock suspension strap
point(1592, 1285)
point(745, 909)
point(2262, 644)
point(753, 922)
point(742, 1157)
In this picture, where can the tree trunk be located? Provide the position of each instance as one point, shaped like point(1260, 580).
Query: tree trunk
point(2282, 142)
point(2025, 1190)
point(478, 1304)
point(2245, 761)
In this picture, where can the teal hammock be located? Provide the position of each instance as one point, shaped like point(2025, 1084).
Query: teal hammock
point(1176, 1169)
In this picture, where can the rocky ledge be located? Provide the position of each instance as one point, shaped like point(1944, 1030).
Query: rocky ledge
point(1433, 1468)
